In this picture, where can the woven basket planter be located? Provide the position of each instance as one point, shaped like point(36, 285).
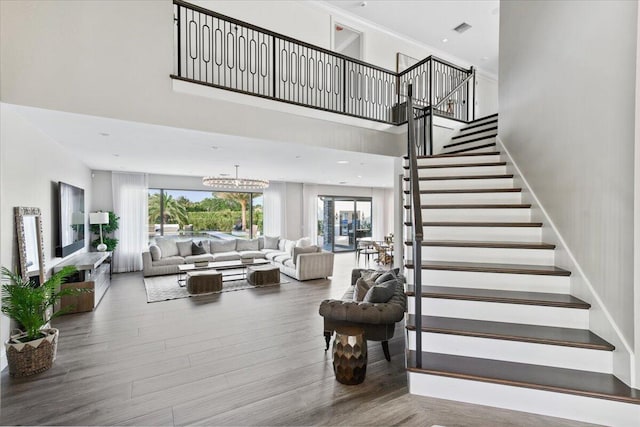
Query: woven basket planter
point(32, 357)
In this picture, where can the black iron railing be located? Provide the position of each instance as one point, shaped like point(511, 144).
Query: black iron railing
point(226, 53)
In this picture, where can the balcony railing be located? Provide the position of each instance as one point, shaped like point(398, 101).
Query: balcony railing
point(226, 53)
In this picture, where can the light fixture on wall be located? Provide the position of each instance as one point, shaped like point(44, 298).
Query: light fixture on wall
point(99, 218)
point(235, 183)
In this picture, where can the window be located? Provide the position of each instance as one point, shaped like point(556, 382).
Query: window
point(204, 213)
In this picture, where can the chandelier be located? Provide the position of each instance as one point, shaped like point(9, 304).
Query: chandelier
point(235, 183)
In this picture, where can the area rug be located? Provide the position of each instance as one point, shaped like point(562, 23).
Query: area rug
point(165, 288)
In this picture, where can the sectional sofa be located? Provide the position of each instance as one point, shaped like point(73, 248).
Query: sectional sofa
point(295, 258)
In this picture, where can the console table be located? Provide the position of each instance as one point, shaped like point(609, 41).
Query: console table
point(94, 272)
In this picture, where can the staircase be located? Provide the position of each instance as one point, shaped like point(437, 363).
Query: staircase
point(498, 324)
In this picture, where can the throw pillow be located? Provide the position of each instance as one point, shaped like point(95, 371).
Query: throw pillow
point(271, 242)
point(308, 250)
point(281, 244)
point(360, 289)
point(385, 277)
point(303, 242)
point(184, 248)
point(156, 253)
point(247, 245)
point(371, 275)
point(381, 293)
point(223, 246)
point(168, 247)
point(197, 249)
point(288, 247)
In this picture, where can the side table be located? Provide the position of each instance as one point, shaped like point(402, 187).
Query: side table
point(350, 355)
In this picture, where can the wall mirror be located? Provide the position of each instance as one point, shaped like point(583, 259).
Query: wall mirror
point(30, 242)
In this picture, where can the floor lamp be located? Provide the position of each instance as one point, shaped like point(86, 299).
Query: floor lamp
point(99, 218)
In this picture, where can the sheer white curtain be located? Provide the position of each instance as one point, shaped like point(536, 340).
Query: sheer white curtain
point(275, 197)
point(378, 218)
point(130, 204)
point(310, 212)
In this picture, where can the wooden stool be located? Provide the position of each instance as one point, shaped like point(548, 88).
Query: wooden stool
point(202, 282)
point(263, 275)
point(350, 355)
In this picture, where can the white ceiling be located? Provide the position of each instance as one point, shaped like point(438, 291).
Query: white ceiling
point(429, 22)
point(139, 147)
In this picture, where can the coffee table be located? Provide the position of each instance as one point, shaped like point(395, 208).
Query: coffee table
point(222, 267)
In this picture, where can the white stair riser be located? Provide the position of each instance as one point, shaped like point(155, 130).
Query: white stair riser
point(499, 281)
point(501, 312)
point(490, 158)
point(586, 409)
point(471, 198)
point(478, 214)
point(488, 255)
point(466, 136)
point(463, 171)
point(470, 150)
point(461, 184)
point(485, 234)
point(516, 351)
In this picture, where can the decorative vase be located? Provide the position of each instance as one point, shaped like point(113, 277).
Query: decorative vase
point(31, 357)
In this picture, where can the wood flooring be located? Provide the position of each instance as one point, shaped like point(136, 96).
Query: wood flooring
point(251, 357)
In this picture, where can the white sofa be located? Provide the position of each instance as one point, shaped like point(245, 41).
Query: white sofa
point(295, 258)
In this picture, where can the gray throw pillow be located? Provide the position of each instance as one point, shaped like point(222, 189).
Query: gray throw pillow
point(156, 253)
point(371, 275)
point(184, 248)
point(197, 249)
point(381, 293)
point(385, 277)
point(223, 246)
point(168, 247)
point(360, 289)
point(271, 242)
point(247, 245)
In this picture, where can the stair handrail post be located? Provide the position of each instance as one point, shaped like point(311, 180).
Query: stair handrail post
point(416, 213)
point(179, 46)
point(473, 102)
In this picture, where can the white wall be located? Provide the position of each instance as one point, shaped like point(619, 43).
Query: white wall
point(31, 164)
point(567, 78)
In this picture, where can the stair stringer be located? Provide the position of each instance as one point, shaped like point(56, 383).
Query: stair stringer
point(600, 320)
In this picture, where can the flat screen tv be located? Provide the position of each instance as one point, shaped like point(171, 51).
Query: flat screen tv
point(72, 219)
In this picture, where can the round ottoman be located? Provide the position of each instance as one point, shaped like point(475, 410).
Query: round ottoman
point(350, 355)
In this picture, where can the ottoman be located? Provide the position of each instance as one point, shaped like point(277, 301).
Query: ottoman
point(263, 275)
point(201, 282)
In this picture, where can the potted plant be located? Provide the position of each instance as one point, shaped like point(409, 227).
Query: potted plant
point(107, 229)
point(32, 350)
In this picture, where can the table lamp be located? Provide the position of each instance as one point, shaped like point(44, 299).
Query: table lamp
point(99, 218)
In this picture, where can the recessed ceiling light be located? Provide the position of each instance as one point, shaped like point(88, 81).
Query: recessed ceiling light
point(103, 134)
point(343, 162)
point(214, 147)
point(485, 58)
point(445, 40)
point(298, 157)
point(116, 155)
point(224, 174)
point(342, 182)
point(362, 164)
point(359, 176)
point(462, 28)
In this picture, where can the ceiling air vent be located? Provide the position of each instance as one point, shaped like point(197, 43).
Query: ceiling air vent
point(462, 27)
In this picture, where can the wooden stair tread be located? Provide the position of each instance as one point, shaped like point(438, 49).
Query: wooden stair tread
point(476, 206)
point(444, 178)
point(481, 119)
point(478, 244)
point(464, 150)
point(475, 132)
point(470, 191)
point(477, 224)
point(480, 138)
point(500, 296)
point(562, 380)
point(567, 337)
point(437, 156)
point(544, 270)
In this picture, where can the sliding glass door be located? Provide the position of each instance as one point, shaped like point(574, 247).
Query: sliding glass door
point(342, 221)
